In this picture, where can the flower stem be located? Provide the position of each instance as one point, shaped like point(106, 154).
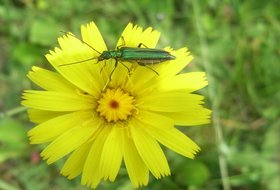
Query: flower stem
point(13, 111)
point(212, 94)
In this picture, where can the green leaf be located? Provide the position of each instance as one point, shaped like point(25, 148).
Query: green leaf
point(13, 139)
point(270, 163)
point(44, 32)
point(26, 53)
point(192, 172)
point(7, 186)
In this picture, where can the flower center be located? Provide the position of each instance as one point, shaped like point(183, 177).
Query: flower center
point(115, 105)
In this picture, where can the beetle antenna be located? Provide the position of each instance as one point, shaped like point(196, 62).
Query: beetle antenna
point(126, 67)
point(81, 41)
point(76, 62)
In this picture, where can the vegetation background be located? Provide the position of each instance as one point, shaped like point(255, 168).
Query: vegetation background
point(236, 42)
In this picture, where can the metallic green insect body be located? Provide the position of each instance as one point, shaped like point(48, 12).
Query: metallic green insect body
point(141, 56)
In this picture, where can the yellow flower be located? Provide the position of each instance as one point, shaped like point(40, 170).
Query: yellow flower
point(99, 122)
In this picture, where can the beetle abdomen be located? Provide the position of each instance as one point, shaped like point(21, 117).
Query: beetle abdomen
point(144, 62)
point(145, 56)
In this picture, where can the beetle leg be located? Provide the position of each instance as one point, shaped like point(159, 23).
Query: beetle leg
point(152, 69)
point(141, 64)
point(141, 44)
point(103, 66)
point(126, 68)
point(144, 65)
point(116, 64)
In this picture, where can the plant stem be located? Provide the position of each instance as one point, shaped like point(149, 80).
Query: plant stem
point(13, 111)
point(212, 95)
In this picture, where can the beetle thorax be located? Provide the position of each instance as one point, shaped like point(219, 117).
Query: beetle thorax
point(110, 54)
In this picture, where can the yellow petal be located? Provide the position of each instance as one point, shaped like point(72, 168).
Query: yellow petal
point(166, 71)
point(75, 163)
point(188, 82)
point(150, 38)
point(57, 101)
point(91, 175)
point(136, 168)
point(150, 151)
point(51, 129)
point(143, 80)
point(173, 67)
point(93, 37)
point(49, 80)
point(175, 140)
point(132, 36)
point(124, 39)
point(70, 44)
point(111, 157)
point(196, 116)
point(167, 79)
point(40, 116)
point(170, 101)
point(154, 119)
point(84, 74)
point(69, 141)
point(119, 76)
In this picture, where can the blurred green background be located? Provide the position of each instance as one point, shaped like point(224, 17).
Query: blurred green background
point(236, 42)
